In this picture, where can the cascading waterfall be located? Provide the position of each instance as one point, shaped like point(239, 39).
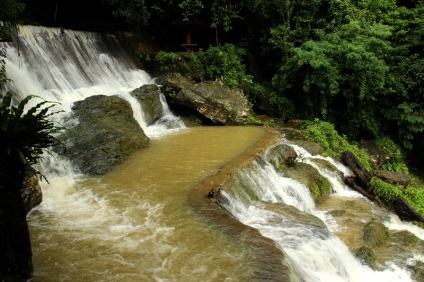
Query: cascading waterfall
point(66, 66)
point(318, 255)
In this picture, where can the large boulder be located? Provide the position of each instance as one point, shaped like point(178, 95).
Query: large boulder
point(149, 97)
point(106, 133)
point(209, 100)
point(215, 102)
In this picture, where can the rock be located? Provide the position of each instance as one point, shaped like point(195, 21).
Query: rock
point(418, 269)
point(149, 97)
point(319, 186)
point(366, 255)
point(396, 178)
point(312, 147)
point(106, 134)
point(375, 234)
point(215, 102)
point(31, 191)
point(281, 155)
point(173, 83)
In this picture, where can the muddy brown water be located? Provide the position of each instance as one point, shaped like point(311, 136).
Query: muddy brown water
point(136, 223)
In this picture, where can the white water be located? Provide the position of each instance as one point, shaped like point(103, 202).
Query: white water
point(66, 66)
point(314, 251)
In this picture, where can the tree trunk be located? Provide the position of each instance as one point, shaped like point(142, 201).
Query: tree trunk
point(363, 176)
point(15, 244)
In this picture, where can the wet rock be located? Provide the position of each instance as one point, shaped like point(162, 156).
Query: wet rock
point(405, 238)
point(366, 255)
point(336, 213)
point(281, 155)
point(312, 147)
point(149, 97)
point(418, 269)
point(375, 234)
point(319, 186)
point(105, 135)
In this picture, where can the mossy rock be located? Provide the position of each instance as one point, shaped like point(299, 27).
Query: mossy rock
point(366, 255)
point(405, 238)
point(319, 186)
point(105, 135)
point(418, 270)
point(375, 234)
point(336, 213)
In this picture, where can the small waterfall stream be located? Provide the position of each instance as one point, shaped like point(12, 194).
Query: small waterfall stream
point(283, 210)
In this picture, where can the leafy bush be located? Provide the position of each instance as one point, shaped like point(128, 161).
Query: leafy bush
point(225, 63)
point(416, 198)
point(167, 61)
point(386, 192)
point(334, 144)
point(389, 148)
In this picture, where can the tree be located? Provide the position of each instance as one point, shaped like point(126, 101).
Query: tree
point(341, 77)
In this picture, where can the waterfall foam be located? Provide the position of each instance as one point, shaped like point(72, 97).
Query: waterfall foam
point(314, 251)
point(67, 66)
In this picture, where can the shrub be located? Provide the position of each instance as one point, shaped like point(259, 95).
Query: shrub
point(334, 144)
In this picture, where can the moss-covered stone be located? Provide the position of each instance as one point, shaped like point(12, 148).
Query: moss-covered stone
point(375, 234)
point(105, 135)
point(366, 255)
point(319, 186)
point(149, 97)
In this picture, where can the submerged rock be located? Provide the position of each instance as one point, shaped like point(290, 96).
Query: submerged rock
point(375, 234)
point(106, 134)
point(319, 186)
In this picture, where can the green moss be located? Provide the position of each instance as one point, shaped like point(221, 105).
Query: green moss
point(375, 234)
point(366, 255)
point(334, 144)
point(386, 192)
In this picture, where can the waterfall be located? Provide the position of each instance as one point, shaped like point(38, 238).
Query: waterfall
point(283, 210)
point(66, 66)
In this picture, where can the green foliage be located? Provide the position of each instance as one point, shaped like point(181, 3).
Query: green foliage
point(132, 12)
point(396, 159)
point(10, 11)
point(223, 12)
point(416, 198)
point(24, 135)
point(167, 61)
point(190, 8)
point(190, 62)
point(334, 144)
point(386, 192)
point(225, 63)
